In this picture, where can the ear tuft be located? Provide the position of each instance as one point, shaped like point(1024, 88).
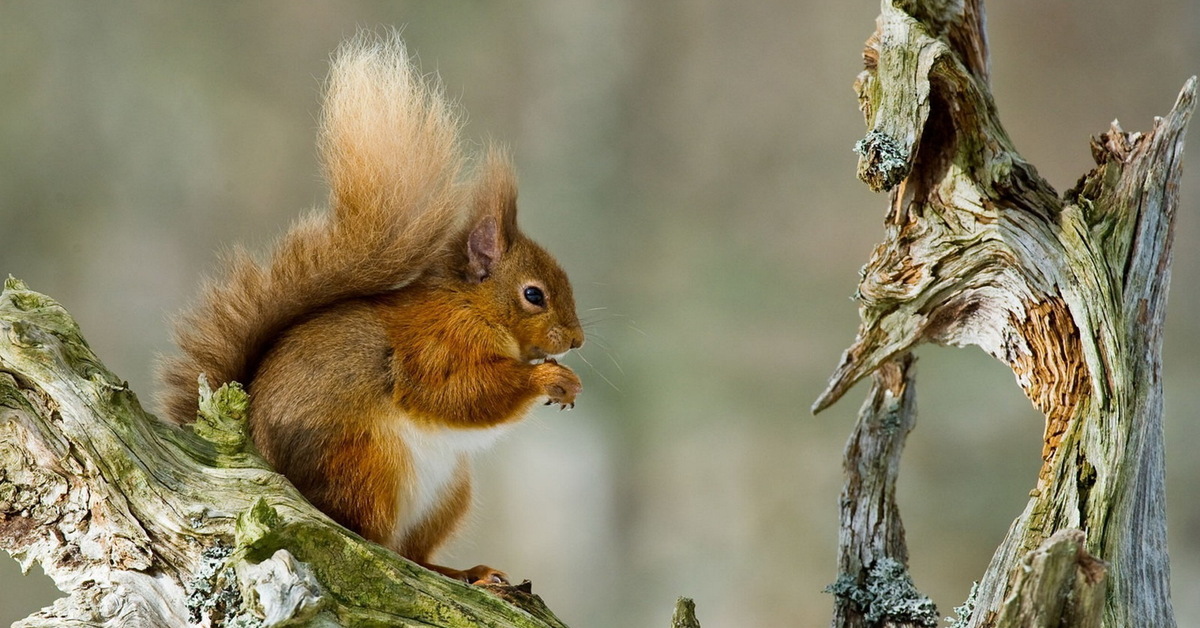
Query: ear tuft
point(496, 193)
point(484, 247)
point(496, 210)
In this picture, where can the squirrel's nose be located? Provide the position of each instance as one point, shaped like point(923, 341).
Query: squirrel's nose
point(577, 339)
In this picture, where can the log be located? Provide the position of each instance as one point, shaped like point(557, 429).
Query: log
point(145, 524)
point(1069, 291)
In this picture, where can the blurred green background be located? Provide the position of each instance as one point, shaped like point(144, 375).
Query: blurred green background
point(689, 162)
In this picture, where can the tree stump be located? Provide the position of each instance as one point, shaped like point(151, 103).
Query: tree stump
point(1069, 291)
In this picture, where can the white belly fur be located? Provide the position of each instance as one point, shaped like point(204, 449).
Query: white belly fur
point(434, 454)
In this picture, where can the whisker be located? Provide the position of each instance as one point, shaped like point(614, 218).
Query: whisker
point(599, 338)
point(595, 318)
point(598, 372)
point(601, 342)
point(613, 359)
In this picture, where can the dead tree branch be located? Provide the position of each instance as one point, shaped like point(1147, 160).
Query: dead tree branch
point(144, 524)
point(1069, 291)
point(873, 586)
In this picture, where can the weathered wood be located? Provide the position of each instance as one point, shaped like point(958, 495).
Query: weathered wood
point(144, 524)
point(685, 614)
point(873, 586)
point(1058, 584)
point(1068, 291)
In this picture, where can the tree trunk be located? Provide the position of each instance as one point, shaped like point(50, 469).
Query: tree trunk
point(145, 524)
point(1068, 291)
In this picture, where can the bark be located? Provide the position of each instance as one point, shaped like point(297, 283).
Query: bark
point(685, 614)
point(873, 586)
point(145, 524)
point(1069, 291)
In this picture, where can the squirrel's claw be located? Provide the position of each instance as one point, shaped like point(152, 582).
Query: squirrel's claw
point(492, 577)
point(559, 383)
point(479, 574)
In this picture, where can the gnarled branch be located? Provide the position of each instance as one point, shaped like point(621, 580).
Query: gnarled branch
point(149, 525)
point(1068, 291)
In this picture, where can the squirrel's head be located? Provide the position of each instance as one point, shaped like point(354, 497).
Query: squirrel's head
point(529, 292)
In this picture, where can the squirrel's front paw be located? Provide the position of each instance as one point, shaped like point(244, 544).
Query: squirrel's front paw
point(559, 383)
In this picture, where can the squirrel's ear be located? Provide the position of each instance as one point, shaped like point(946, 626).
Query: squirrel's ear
point(496, 207)
point(484, 247)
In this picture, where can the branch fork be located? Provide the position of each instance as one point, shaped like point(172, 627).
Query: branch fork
point(1068, 291)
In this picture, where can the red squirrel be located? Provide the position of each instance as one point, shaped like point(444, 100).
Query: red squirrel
point(384, 342)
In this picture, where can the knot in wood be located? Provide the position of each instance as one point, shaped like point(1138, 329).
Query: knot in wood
point(883, 161)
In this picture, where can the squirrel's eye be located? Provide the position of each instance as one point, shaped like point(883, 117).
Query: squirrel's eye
point(534, 295)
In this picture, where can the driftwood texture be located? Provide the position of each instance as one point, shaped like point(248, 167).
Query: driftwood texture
point(145, 524)
point(1069, 291)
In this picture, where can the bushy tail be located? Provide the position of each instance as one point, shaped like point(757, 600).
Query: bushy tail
point(391, 150)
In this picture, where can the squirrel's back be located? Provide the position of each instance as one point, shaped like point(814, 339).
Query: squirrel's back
point(389, 141)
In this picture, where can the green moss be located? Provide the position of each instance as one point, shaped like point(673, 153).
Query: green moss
point(366, 583)
point(222, 418)
point(256, 523)
point(685, 614)
point(12, 283)
point(37, 309)
point(22, 297)
point(38, 323)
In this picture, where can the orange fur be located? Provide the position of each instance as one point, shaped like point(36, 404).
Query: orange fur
point(472, 377)
point(362, 482)
point(391, 151)
point(382, 343)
